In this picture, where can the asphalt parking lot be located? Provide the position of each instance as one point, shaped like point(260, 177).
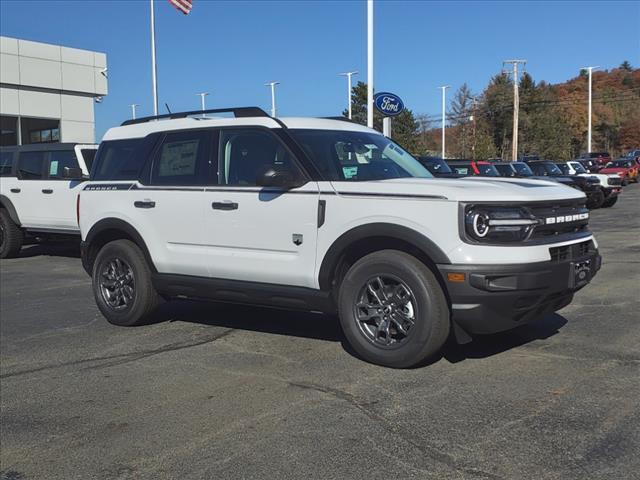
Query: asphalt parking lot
point(227, 392)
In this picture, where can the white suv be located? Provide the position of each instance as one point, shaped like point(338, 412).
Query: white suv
point(610, 184)
point(324, 215)
point(39, 186)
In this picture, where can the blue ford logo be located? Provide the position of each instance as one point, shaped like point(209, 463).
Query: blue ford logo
point(388, 104)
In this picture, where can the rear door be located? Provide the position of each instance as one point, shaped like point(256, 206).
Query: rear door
point(59, 208)
point(167, 207)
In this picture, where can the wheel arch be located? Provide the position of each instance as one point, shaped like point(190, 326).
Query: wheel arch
point(7, 204)
point(364, 239)
point(108, 230)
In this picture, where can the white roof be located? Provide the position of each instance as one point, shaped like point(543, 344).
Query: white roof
point(139, 130)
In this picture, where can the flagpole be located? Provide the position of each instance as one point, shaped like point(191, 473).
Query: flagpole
point(154, 70)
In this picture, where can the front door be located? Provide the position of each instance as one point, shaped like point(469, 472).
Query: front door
point(259, 234)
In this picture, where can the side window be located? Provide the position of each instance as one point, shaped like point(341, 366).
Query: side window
point(246, 153)
point(30, 165)
point(117, 160)
point(6, 164)
point(538, 169)
point(58, 159)
point(183, 158)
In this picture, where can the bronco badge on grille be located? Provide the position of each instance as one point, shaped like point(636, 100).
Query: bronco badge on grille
point(566, 218)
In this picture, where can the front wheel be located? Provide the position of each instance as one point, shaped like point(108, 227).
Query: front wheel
point(11, 236)
point(122, 284)
point(595, 200)
point(393, 310)
point(610, 202)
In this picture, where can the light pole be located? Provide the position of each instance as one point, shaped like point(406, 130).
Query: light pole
point(349, 75)
point(370, 63)
point(590, 70)
point(154, 68)
point(444, 90)
point(202, 104)
point(273, 96)
point(133, 109)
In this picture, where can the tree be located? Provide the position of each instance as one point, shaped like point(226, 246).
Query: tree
point(404, 128)
point(626, 66)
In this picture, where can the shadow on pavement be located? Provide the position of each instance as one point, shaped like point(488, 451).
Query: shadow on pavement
point(54, 248)
point(325, 327)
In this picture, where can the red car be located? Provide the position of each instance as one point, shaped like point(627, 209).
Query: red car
point(626, 169)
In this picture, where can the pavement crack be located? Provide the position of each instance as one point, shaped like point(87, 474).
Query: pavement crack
point(121, 358)
point(365, 407)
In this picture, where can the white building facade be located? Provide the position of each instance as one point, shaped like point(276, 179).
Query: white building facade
point(48, 92)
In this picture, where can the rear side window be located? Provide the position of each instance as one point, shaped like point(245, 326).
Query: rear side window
point(30, 165)
point(183, 158)
point(6, 164)
point(118, 160)
point(60, 159)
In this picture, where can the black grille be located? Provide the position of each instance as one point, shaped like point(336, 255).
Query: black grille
point(614, 181)
point(571, 252)
point(556, 211)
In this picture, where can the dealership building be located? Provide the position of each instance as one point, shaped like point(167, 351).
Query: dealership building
point(48, 92)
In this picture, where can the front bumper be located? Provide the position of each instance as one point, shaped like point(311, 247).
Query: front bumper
point(494, 298)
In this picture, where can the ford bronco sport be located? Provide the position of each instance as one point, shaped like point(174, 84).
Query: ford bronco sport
point(324, 215)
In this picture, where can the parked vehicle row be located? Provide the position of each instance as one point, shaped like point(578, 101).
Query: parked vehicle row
point(313, 214)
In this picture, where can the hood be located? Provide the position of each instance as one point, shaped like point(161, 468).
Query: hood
point(613, 170)
point(467, 189)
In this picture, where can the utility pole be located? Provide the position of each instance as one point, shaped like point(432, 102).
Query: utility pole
point(590, 70)
point(154, 68)
point(202, 104)
point(273, 96)
point(444, 89)
point(348, 75)
point(133, 110)
point(370, 63)
point(516, 106)
point(473, 119)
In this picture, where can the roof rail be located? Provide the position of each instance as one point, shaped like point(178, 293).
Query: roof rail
point(238, 112)
point(343, 119)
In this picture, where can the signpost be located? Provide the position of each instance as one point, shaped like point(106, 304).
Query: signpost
point(389, 105)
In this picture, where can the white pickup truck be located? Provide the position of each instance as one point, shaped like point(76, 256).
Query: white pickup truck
point(39, 186)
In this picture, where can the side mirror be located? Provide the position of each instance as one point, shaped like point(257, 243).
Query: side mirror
point(277, 176)
point(72, 173)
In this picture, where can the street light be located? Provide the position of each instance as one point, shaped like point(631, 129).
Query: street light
point(590, 70)
point(348, 75)
point(444, 89)
point(273, 96)
point(202, 104)
point(133, 109)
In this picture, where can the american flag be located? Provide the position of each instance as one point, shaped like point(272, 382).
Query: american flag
point(183, 5)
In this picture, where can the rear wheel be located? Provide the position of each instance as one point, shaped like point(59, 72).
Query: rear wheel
point(122, 284)
point(610, 202)
point(392, 309)
point(11, 236)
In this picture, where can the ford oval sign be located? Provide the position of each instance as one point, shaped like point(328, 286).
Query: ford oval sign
point(388, 104)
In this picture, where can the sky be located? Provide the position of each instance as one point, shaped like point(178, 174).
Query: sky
point(231, 48)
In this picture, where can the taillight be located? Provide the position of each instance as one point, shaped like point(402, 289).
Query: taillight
point(78, 209)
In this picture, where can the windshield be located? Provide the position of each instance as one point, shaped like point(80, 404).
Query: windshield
point(564, 167)
point(619, 164)
point(358, 156)
point(487, 170)
point(522, 169)
point(436, 165)
point(578, 167)
point(505, 170)
point(552, 169)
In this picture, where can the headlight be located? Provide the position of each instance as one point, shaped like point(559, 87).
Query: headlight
point(495, 224)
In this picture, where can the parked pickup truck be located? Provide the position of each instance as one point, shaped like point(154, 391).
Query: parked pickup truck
point(39, 186)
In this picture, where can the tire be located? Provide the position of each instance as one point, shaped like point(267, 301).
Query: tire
point(596, 200)
point(625, 182)
point(121, 264)
point(610, 202)
point(427, 306)
point(11, 236)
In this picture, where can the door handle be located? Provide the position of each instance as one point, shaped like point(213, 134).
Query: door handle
point(47, 190)
point(15, 190)
point(224, 205)
point(145, 204)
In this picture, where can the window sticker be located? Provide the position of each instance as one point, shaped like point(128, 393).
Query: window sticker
point(53, 168)
point(349, 172)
